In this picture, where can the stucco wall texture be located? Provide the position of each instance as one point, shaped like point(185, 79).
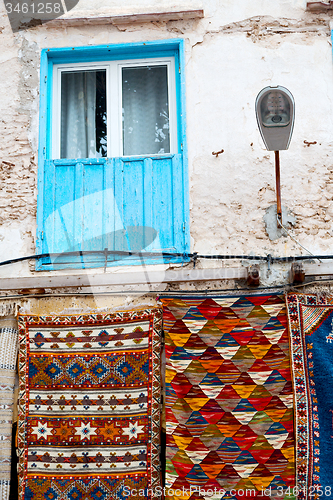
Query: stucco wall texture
point(234, 51)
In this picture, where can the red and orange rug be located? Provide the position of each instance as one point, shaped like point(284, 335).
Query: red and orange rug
point(229, 401)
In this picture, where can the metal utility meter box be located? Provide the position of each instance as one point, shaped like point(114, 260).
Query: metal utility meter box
point(275, 110)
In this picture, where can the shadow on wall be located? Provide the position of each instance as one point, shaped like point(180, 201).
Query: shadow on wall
point(131, 239)
point(93, 224)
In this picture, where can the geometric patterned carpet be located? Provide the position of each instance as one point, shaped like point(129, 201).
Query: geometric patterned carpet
point(8, 360)
point(229, 400)
point(89, 414)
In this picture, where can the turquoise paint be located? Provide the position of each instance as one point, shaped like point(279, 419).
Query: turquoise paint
point(113, 52)
point(41, 154)
point(86, 200)
point(148, 190)
point(183, 133)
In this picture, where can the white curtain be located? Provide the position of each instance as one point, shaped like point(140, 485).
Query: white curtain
point(145, 110)
point(78, 114)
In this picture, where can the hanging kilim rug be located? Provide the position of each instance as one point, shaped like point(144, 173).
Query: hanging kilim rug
point(8, 356)
point(311, 331)
point(89, 414)
point(229, 417)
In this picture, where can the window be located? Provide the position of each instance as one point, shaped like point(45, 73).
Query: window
point(116, 108)
point(112, 157)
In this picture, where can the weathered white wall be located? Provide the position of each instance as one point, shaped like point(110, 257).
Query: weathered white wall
point(230, 193)
point(236, 50)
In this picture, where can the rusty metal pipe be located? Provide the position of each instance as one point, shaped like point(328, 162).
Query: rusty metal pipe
point(278, 186)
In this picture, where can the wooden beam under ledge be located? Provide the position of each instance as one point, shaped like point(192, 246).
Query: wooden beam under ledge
point(181, 15)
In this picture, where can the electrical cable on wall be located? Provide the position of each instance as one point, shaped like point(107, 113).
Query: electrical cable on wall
point(168, 255)
point(294, 239)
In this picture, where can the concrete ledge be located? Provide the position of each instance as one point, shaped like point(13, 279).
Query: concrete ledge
point(113, 279)
point(323, 269)
point(128, 19)
point(144, 277)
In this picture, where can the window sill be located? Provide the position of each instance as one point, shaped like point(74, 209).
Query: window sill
point(95, 161)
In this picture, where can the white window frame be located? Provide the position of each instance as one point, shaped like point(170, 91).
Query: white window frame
point(114, 101)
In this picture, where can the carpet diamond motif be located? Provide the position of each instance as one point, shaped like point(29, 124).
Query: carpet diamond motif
point(229, 413)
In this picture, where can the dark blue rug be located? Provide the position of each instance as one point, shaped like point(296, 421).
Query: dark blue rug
point(311, 329)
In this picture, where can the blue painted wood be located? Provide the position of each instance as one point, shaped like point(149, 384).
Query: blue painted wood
point(41, 153)
point(178, 203)
point(78, 210)
point(181, 103)
point(93, 207)
point(121, 204)
point(148, 236)
point(109, 205)
point(48, 202)
point(114, 51)
point(49, 86)
point(120, 238)
point(116, 203)
point(63, 217)
point(162, 202)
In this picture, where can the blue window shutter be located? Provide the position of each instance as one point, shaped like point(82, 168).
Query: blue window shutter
point(152, 198)
point(122, 204)
point(178, 204)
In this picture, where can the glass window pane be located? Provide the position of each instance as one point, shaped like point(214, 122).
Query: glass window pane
point(83, 114)
point(145, 110)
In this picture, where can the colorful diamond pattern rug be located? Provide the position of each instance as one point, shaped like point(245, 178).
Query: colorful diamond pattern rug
point(89, 415)
point(311, 330)
point(229, 402)
point(8, 358)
